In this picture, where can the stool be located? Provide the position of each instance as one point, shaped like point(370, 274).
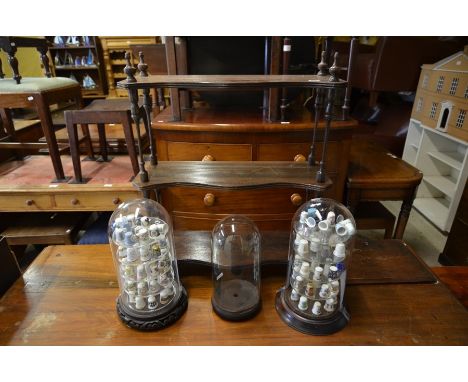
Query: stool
point(373, 215)
point(100, 112)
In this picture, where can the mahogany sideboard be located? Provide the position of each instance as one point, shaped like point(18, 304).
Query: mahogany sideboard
point(229, 135)
point(67, 297)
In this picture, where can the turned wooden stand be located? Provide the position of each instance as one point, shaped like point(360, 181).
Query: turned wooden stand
point(235, 175)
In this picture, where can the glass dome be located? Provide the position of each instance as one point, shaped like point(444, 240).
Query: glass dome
point(321, 242)
point(141, 240)
point(235, 253)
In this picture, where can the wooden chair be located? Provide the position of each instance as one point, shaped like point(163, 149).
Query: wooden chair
point(38, 93)
point(9, 268)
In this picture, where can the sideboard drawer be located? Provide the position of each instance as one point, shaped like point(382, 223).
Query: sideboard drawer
point(294, 151)
point(260, 201)
point(99, 201)
point(25, 202)
point(209, 151)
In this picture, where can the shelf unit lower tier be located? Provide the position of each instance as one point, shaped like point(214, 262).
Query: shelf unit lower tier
point(443, 161)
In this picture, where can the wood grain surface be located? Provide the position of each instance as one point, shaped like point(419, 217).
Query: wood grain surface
point(229, 175)
point(67, 297)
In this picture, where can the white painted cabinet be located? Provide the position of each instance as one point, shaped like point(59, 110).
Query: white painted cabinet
point(443, 161)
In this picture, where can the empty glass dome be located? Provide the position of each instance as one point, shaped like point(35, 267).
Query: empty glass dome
point(321, 242)
point(141, 239)
point(236, 268)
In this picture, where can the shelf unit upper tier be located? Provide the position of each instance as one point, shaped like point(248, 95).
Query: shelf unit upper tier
point(213, 81)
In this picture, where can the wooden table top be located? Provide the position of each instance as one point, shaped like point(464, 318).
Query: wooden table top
point(373, 166)
point(67, 297)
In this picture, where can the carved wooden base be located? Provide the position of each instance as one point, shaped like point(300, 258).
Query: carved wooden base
point(155, 322)
point(304, 325)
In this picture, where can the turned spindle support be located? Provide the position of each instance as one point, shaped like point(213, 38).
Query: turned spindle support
point(135, 111)
point(347, 99)
point(322, 66)
point(334, 74)
point(148, 107)
point(284, 92)
point(13, 61)
point(45, 60)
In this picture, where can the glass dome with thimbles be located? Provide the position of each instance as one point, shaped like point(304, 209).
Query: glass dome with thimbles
point(321, 242)
point(235, 255)
point(141, 239)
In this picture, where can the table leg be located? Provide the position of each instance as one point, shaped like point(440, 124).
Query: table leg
point(102, 141)
point(74, 149)
point(404, 215)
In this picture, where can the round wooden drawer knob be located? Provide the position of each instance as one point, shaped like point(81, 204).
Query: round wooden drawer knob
point(116, 201)
point(207, 157)
point(209, 200)
point(296, 199)
point(29, 202)
point(299, 158)
point(74, 201)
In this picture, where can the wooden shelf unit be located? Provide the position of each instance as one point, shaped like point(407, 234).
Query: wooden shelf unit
point(245, 172)
point(95, 71)
point(114, 48)
point(443, 160)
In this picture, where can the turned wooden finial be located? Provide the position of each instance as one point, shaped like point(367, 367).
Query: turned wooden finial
point(129, 70)
point(334, 69)
point(142, 66)
point(323, 65)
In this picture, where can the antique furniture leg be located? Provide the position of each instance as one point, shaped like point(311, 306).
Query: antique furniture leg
point(404, 215)
point(130, 141)
point(49, 134)
point(88, 142)
point(102, 142)
point(74, 149)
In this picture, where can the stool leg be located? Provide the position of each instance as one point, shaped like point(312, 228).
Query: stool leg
point(74, 149)
point(130, 141)
point(49, 134)
point(88, 142)
point(102, 141)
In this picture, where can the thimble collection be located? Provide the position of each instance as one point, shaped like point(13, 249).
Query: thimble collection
point(318, 269)
point(145, 261)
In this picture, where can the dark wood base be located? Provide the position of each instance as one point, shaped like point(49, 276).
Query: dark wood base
point(315, 327)
point(236, 316)
point(156, 322)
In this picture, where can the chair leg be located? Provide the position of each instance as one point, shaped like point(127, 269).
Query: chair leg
point(74, 146)
point(102, 141)
point(130, 141)
point(7, 127)
point(49, 134)
point(88, 142)
point(373, 96)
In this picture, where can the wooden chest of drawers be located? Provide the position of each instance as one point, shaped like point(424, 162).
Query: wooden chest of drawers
point(205, 134)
